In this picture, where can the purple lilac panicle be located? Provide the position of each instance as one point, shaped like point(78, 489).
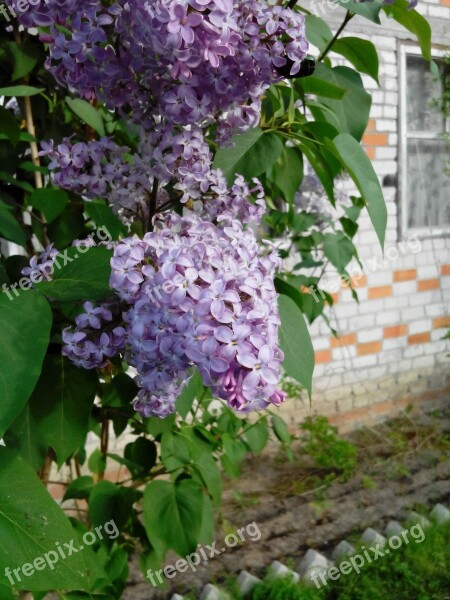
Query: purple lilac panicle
point(193, 293)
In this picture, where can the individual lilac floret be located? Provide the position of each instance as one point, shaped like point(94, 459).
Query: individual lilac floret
point(41, 266)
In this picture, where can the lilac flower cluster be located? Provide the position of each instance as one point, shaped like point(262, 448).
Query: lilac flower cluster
point(193, 293)
point(185, 60)
point(101, 168)
point(216, 310)
point(96, 338)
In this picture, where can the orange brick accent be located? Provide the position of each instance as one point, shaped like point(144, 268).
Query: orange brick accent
point(445, 270)
point(323, 356)
point(356, 282)
point(395, 331)
point(419, 338)
point(369, 348)
point(405, 275)
point(375, 139)
point(381, 408)
point(441, 322)
point(345, 340)
point(57, 491)
point(428, 284)
point(380, 292)
point(370, 151)
point(371, 125)
point(445, 3)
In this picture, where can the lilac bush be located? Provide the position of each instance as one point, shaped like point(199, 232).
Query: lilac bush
point(184, 129)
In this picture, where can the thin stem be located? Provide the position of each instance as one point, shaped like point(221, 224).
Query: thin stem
point(292, 3)
point(104, 442)
point(348, 17)
point(76, 461)
point(33, 146)
point(152, 203)
point(30, 126)
point(44, 474)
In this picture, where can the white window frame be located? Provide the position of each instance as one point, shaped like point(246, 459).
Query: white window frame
point(422, 232)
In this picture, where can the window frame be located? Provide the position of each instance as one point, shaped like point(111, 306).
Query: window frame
point(406, 50)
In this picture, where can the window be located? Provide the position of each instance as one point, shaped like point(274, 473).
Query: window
point(424, 145)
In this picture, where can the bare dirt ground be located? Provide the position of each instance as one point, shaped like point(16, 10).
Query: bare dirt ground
point(402, 465)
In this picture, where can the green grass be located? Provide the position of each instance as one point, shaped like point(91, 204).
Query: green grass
point(416, 571)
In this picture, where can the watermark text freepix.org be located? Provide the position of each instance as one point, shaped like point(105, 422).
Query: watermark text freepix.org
point(204, 554)
point(6, 11)
point(60, 261)
point(62, 551)
point(367, 555)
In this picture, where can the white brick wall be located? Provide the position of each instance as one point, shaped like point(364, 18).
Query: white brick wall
point(397, 349)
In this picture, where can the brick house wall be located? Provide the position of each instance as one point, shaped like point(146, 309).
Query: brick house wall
point(390, 352)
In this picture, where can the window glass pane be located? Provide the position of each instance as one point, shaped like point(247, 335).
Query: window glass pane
point(423, 97)
point(428, 183)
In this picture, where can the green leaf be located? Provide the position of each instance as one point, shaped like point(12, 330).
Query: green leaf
point(210, 475)
point(79, 489)
point(9, 226)
point(142, 453)
point(108, 501)
point(351, 112)
point(288, 172)
point(103, 216)
point(356, 162)
point(50, 201)
point(173, 515)
point(68, 226)
point(193, 390)
point(251, 155)
point(338, 249)
point(257, 436)
point(31, 524)
point(368, 10)
point(57, 415)
point(9, 125)
point(295, 342)
point(97, 462)
point(84, 277)
point(25, 56)
point(25, 323)
point(87, 113)
point(284, 287)
point(120, 392)
point(19, 91)
point(206, 534)
point(361, 53)
point(319, 87)
point(235, 450)
point(175, 450)
point(156, 427)
point(23, 185)
point(318, 32)
point(313, 153)
point(413, 22)
point(280, 430)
